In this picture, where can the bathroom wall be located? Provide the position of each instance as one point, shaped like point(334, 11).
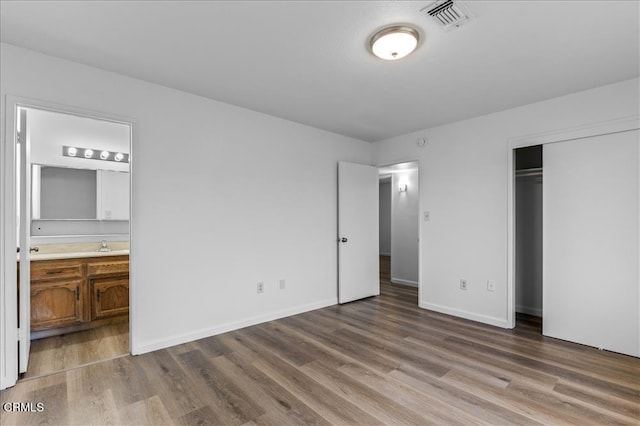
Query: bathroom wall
point(404, 228)
point(385, 218)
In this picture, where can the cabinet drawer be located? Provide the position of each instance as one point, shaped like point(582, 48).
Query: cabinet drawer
point(104, 268)
point(52, 271)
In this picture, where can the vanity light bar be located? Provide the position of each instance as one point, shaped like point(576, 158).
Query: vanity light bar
point(94, 154)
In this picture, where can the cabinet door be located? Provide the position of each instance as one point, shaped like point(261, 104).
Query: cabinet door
point(55, 304)
point(110, 296)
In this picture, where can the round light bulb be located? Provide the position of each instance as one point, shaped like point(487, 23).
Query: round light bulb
point(71, 151)
point(88, 153)
point(104, 155)
point(394, 43)
point(118, 157)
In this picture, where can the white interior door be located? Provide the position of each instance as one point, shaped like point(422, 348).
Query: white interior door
point(590, 241)
point(24, 243)
point(358, 261)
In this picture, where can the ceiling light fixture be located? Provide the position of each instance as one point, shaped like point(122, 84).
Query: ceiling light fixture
point(395, 42)
point(104, 155)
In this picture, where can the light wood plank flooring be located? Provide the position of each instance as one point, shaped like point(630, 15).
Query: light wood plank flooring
point(58, 353)
point(377, 361)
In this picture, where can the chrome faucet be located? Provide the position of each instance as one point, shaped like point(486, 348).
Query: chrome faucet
point(103, 246)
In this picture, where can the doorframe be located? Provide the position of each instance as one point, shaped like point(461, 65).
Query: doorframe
point(622, 124)
point(420, 209)
point(8, 220)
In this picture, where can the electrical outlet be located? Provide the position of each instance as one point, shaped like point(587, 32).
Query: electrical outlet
point(491, 285)
point(260, 288)
point(463, 284)
point(282, 284)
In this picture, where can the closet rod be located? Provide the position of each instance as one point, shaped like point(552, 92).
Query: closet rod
point(529, 172)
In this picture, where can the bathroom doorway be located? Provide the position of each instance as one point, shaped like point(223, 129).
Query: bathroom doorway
point(73, 198)
point(399, 230)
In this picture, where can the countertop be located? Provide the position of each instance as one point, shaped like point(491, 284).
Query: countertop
point(73, 255)
point(78, 250)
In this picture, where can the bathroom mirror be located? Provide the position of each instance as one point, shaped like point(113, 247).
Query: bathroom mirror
point(63, 193)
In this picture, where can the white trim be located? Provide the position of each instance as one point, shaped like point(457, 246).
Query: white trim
point(622, 124)
point(234, 325)
point(485, 319)
point(8, 276)
point(528, 310)
point(8, 295)
point(400, 281)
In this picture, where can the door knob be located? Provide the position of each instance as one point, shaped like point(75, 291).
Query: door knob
point(32, 249)
point(343, 240)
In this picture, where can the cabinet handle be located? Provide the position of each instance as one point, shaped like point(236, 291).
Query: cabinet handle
point(77, 293)
point(54, 271)
point(98, 295)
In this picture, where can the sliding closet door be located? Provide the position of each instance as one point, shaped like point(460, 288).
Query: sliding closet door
point(590, 248)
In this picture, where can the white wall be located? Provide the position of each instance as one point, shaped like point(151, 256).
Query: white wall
point(384, 214)
point(404, 228)
point(591, 211)
point(528, 255)
point(223, 197)
point(463, 184)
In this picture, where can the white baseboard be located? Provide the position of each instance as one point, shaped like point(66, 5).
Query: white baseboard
point(485, 319)
point(385, 254)
point(404, 282)
point(230, 326)
point(529, 310)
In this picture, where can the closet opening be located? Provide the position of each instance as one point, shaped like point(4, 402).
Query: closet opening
point(528, 237)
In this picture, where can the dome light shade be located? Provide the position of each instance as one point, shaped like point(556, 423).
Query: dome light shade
point(393, 43)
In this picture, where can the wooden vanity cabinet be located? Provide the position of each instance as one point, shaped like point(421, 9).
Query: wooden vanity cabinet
point(77, 294)
point(109, 284)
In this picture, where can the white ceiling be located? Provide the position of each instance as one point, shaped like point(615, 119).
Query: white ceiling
point(307, 61)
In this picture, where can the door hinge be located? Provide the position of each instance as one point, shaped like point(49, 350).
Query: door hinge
point(21, 337)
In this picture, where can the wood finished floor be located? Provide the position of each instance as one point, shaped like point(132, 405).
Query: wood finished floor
point(58, 353)
point(377, 361)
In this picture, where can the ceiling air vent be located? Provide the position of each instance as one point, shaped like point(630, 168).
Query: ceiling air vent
point(448, 13)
